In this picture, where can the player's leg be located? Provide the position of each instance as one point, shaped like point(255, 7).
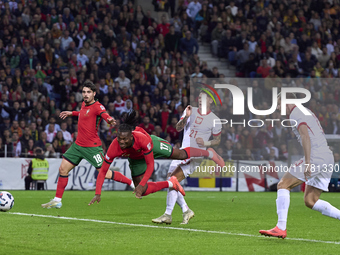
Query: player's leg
point(181, 173)
point(65, 167)
point(114, 174)
point(319, 183)
point(287, 183)
point(71, 158)
point(163, 149)
point(172, 195)
point(138, 168)
point(189, 152)
point(94, 155)
point(312, 195)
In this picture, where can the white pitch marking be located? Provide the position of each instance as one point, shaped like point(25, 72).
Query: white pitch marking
point(174, 228)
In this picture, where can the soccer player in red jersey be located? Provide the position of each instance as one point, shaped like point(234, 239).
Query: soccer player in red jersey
point(141, 149)
point(87, 145)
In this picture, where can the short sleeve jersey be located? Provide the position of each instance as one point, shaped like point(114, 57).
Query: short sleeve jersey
point(142, 145)
point(88, 123)
point(199, 125)
point(315, 131)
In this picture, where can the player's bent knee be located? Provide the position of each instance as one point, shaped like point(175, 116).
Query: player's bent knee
point(309, 203)
point(282, 185)
point(62, 171)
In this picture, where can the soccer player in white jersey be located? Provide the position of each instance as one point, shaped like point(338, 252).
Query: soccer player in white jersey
point(197, 130)
point(315, 168)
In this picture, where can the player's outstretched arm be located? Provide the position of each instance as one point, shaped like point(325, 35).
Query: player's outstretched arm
point(63, 115)
point(183, 121)
point(100, 180)
point(306, 145)
point(150, 163)
point(110, 120)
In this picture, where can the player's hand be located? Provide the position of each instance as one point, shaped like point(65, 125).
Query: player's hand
point(139, 190)
point(308, 172)
point(188, 110)
point(112, 121)
point(200, 142)
point(96, 198)
point(63, 115)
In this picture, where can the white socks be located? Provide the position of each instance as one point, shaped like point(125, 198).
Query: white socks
point(326, 209)
point(57, 199)
point(132, 185)
point(171, 201)
point(170, 184)
point(181, 202)
point(282, 206)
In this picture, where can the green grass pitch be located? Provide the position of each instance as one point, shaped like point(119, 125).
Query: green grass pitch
point(228, 223)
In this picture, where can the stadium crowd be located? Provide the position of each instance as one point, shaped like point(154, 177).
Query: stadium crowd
point(49, 48)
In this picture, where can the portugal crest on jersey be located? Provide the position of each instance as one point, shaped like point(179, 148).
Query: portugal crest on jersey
point(87, 112)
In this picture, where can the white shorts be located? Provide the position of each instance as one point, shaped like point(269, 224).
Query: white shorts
point(188, 166)
point(321, 168)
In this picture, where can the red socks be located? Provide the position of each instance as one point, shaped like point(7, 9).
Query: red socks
point(155, 186)
point(62, 183)
point(195, 152)
point(118, 177)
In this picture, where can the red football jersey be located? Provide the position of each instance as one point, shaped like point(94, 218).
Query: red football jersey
point(142, 145)
point(88, 122)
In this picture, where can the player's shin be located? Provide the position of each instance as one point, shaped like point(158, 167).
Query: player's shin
point(171, 200)
point(326, 209)
point(118, 177)
point(195, 152)
point(156, 186)
point(181, 202)
point(62, 183)
point(282, 206)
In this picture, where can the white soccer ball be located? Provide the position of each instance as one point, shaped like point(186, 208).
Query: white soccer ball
point(6, 201)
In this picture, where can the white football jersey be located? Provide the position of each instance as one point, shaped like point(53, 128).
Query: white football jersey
point(199, 125)
point(317, 136)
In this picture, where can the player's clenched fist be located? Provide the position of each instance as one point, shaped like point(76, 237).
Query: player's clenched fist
point(112, 121)
point(188, 110)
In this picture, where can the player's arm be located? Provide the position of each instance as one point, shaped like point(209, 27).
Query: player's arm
point(215, 142)
point(63, 115)
point(150, 163)
point(100, 180)
point(109, 157)
point(183, 121)
point(110, 120)
point(103, 114)
point(306, 145)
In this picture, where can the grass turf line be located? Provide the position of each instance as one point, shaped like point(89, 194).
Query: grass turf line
point(227, 212)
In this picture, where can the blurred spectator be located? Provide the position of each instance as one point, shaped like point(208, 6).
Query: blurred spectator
point(146, 125)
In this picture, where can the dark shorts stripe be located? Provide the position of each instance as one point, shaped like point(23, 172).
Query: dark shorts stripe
point(69, 161)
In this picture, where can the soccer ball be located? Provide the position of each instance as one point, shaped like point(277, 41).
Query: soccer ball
point(6, 201)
